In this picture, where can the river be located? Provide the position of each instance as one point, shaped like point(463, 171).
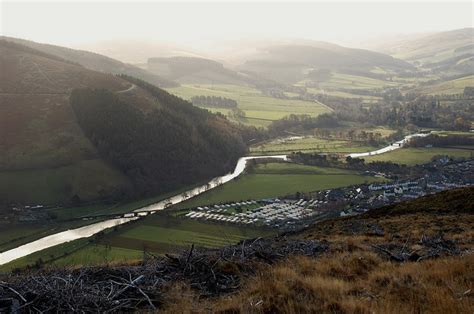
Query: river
point(87, 231)
point(389, 148)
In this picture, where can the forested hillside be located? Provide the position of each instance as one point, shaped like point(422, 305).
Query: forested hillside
point(114, 137)
point(174, 145)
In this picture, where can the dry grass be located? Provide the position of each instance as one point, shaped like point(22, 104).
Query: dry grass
point(352, 277)
point(357, 282)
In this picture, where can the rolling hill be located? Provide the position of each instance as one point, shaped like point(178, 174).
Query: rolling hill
point(94, 61)
point(291, 63)
point(451, 51)
point(70, 133)
point(189, 70)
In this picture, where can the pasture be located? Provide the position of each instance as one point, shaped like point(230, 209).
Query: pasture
point(277, 179)
point(87, 179)
point(336, 93)
point(412, 156)
point(158, 234)
point(308, 145)
point(259, 109)
point(348, 81)
point(447, 87)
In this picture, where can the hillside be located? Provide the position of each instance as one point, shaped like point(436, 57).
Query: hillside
point(94, 61)
point(188, 70)
point(291, 63)
point(451, 51)
point(44, 151)
point(447, 87)
point(414, 256)
point(57, 148)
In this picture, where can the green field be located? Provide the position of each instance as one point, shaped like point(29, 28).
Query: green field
point(308, 145)
point(87, 179)
point(277, 179)
point(448, 87)
point(413, 156)
point(348, 81)
point(336, 93)
point(158, 234)
point(164, 233)
point(76, 253)
point(15, 234)
point(260, 109)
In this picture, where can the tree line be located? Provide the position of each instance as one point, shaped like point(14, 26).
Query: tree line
point(214, 101)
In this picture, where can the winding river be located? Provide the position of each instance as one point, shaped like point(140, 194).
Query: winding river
point(390, 147)
point(89, 230)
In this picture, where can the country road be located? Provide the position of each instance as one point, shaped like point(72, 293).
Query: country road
point(127, 90)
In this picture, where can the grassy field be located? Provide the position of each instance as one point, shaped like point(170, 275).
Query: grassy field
point(448, 87)
point(413, 156)
point(365, 98)
point(158, 234)
point(308, 145)
point(87, 179)
point(277, 179)
point(341, 80)
point(75, 253)
point(163, 233)
point(260, 110)
point(16, 234)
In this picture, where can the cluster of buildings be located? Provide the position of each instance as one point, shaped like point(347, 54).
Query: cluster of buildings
point(223, 207)
point(26, 213)
point(289, 214)
point(269, 212)
point(437, 179)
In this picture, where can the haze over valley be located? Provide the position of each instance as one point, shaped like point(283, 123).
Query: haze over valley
point(236, 156)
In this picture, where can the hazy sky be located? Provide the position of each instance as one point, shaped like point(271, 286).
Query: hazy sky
point(73, 22)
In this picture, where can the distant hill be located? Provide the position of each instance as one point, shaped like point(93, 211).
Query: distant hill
point(290, 63)
point(94, 61)
point(446, 87)
point(119, 136)
point(451, 51)
point(194, 70)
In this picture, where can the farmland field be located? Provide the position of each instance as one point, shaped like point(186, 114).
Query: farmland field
point(163, 233)
point(341, 80)
point(413, 156)
point(50, 185)
point(365, 98)
point(158, 234)
point(260, 109)
point(448, 87)
point(308, 145)
point(278, 179)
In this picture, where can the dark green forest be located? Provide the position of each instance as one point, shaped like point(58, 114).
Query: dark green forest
point(175, 145)
point(214, 101)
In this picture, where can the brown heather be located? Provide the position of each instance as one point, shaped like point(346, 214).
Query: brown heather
point(353, 277)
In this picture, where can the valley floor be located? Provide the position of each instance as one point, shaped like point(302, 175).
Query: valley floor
point(410, 257)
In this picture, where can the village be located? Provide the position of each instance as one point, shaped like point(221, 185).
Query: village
point(293, 213)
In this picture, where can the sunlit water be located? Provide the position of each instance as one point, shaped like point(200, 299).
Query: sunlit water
point(389, 148)
point(87, 231)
